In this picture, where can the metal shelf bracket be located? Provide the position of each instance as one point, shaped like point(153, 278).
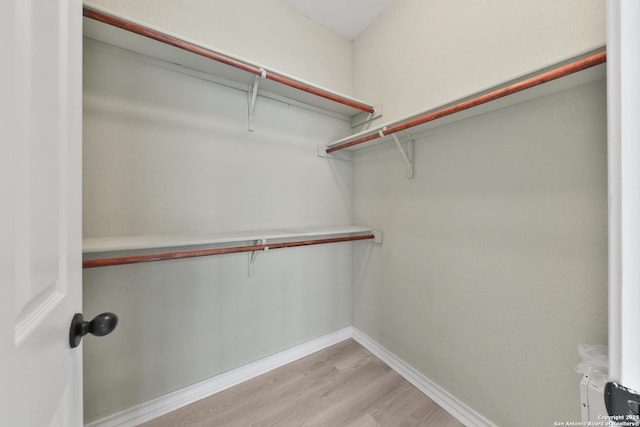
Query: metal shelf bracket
point(253, 96)
point(251, 266)
point(406, 155)
point(365, 119)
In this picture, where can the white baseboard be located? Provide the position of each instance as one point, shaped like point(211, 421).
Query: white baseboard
point(172, 401)
point(447, 401)
point(155, 408)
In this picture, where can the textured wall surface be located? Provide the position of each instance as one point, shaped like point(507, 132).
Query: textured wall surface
point(422, 53)
point(263, 31)
point(494, 262)
point(166, 152)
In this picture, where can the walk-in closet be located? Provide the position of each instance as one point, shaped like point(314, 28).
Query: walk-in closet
point(452, 213)
point(341, 213)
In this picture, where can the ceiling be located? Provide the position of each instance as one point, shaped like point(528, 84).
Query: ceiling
point(346, 17)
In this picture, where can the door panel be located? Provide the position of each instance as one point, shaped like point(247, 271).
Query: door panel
point(39, 147)
point(40, 221)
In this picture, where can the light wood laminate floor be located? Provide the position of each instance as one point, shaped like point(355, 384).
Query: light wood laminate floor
point(343, 385)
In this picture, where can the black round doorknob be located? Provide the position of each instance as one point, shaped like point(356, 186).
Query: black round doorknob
point(101, 325)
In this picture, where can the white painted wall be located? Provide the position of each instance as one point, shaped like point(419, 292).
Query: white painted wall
point(166, 152)
point(422, 53)
point(494, 265)
point(263, 31)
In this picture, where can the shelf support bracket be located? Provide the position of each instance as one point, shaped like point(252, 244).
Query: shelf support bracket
point(253, 96)
point(406, 155)
point(251, 266)
point(365, 119)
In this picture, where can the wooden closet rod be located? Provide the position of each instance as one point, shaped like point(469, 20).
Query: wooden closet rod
point(207, 53)
point(217, 251)
point(565, 70)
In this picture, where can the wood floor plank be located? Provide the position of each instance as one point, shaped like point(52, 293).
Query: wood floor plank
point(343, 385)
point(342, 395)
point(247, 400)
point(364, 421)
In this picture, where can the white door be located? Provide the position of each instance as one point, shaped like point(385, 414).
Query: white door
point(623, 92)
point(40, 211)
